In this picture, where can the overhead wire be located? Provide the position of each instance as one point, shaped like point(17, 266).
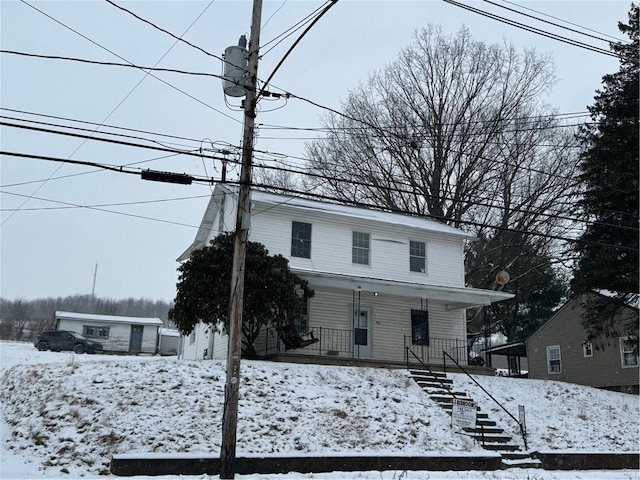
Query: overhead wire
point(565, 21)
point(112, 64)
point(142, 217)
point(535, 30)
point(547, 21)
point(179, 39)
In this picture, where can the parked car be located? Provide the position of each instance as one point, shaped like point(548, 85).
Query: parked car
point(57, 340)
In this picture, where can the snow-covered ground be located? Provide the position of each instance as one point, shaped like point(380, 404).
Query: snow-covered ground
point(64, 416)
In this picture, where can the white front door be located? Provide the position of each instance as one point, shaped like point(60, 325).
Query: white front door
point(362, 332)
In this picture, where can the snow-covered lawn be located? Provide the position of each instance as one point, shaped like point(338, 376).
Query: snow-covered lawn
point(64, 416)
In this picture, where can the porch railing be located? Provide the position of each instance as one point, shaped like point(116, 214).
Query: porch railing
point(331, 341)
point(432, 350)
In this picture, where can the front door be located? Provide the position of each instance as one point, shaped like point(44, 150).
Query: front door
point(135, 342)
point(362, 332)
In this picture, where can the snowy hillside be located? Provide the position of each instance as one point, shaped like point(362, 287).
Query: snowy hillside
point(69, 414)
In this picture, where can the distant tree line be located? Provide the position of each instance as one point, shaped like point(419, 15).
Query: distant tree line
point(23, 319)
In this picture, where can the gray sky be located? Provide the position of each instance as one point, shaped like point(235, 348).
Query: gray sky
point(136, 229)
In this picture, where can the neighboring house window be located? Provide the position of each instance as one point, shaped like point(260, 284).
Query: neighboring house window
point(587, 349)
point(419, 327)
point(192, 338)
point(301, 240)
point(554, 362)
point(360, 251)
point(90, 331)
point(417, 256)
point(627, 353)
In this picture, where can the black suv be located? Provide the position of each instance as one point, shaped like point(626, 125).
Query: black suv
point(57, 340)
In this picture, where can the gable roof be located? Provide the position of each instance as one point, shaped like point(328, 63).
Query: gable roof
point(270, 200)
point(108, 318)
point(571, 301)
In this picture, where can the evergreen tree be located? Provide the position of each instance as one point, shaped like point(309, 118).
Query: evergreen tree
point(273, 295)
point(608, 251)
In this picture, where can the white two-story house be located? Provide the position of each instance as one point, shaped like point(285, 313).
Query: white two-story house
point(382, 281)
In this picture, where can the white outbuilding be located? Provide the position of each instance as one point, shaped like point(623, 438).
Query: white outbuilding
point(118, 334)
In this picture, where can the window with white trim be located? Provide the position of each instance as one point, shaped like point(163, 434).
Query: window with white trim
point(628, 355)
point(587, 349)
point(554, 360)
point(417, 256)
point(360, 250)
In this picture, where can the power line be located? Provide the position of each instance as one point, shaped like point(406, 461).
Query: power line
point(435, 217)
point(547, 21)
point(110, 140)
point(565, 21)
point(343, 201)
point(142, 217)
point(321, 176)
point(329, 4)
point(115, 127)
point(124, 59)
point(290, 31)
point(61, 177)
point(111, 64)
point(119, 204)
point(179, 39)
point(535, 30)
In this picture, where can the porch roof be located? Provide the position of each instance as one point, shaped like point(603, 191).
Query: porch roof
point(454, 298)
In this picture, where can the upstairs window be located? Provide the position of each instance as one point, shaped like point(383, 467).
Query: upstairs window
point(418, 256)
point(627, 353)
point(554, 361)
point(419, 327)
point(301, 240)
point(360, 250)
point(587, 349)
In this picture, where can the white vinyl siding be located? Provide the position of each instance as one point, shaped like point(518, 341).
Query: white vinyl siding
point(554, 360)
point(332, 244)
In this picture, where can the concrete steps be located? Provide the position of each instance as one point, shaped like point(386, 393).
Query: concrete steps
point(440, 389)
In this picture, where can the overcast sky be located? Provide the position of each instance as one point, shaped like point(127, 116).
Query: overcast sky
point(59, 220)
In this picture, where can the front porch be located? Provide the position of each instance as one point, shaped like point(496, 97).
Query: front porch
point(335, 346)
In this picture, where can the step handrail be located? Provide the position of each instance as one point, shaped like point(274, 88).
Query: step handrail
point(442, 384)
point(522, 431)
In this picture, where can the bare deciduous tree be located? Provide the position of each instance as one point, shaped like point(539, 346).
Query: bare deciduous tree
point(456, 129)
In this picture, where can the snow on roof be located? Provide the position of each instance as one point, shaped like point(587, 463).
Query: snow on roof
point(356, 212)
point(108, 318)
point(169, 332)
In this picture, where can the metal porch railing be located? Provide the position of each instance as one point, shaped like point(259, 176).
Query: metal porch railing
point(331, 341)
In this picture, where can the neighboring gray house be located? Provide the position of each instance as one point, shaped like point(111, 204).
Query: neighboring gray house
point(383, 281)
point(117, 334)
point(559, 350)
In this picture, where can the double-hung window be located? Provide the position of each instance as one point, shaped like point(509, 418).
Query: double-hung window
point(417, 256)
point(554, 360)
point(419, 327)
point(627, 353)
point(301, 239)
point(360, 250)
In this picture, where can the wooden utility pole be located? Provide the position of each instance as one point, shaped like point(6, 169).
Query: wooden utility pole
point(232, 386)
